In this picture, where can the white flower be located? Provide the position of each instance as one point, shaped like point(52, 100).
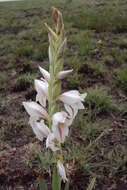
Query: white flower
point(73, 109)
point(63, 74)
point(42, 91)
point(45, 74)
point(73, 102)
point(40, 129)
point(72, 97)
point(50, 142)
point(35, 110)
point(60, 126)
point(61, 171)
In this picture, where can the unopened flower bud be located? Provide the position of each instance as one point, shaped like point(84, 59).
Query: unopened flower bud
point(57, 16)
point(51, 32)
point(45, 74)
point(63, 74)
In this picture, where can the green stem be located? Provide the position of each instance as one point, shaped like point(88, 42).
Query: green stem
point(56, 65)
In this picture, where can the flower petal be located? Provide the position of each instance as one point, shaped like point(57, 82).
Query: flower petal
point(45, 74)
point(69, 110)
point(50, 142)
point(63, 74)
point(83, 96)
point(60, 132)
point(73, 109)
point(70, 98)
point(59, 117)
point(60, 126)
point(80, 105)
point(41, 87)
point(40, 129)
point(41, 99)
point(35, 110)
point(42, 91)
point(61, 171)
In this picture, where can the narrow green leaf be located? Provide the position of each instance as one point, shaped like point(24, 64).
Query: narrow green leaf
point(56, 181)
point(40, 157)
point(66, 186)
point(91, 185)
point(43, 185)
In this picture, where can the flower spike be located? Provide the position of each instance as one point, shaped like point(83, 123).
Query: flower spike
point(47, 120)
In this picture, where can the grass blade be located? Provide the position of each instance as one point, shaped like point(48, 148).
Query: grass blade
point(92, 183)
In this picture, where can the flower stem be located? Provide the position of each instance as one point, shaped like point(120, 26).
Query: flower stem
point(56, 64)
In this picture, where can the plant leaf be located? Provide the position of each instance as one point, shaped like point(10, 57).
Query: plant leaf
point(66, 186)
point(40, 157)
point(43, 185)
point(56, 181)
point(92, 183)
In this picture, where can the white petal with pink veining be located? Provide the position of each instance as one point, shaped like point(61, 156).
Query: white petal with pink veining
point(73, 109)
point(35, 110)
point(60, 126)
point(69, 110)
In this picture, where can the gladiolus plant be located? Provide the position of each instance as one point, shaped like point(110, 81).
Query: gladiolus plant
point(50, 120)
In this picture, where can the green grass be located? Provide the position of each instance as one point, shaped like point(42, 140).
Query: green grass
point(99, 101)
point(122, 42)
point(99, 68)
point(117, 56)
point(102, 20)
point(85, 43)
point(121, 78)
point(108, 59)
point(4, 77)
point(24, 82)
point(88, 131)
point(31, 51)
